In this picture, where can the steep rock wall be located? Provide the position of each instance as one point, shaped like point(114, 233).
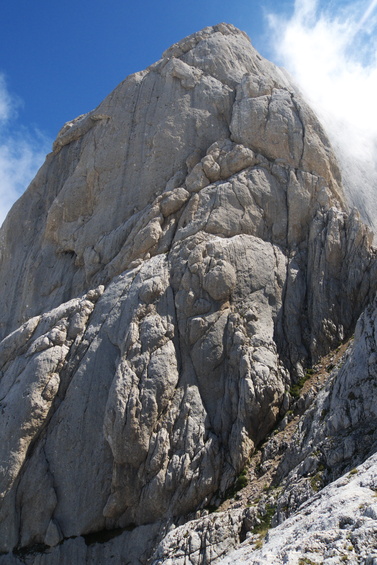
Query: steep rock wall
point(179, 259)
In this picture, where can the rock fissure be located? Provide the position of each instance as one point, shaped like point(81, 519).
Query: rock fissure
point(296, 105)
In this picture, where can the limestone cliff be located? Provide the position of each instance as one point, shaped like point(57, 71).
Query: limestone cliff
point(180, 260)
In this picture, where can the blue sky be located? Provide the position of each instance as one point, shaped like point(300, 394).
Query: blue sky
point(60, 59)
point(63, 58)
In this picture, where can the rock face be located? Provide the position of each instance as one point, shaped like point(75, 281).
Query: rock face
point(180, 259)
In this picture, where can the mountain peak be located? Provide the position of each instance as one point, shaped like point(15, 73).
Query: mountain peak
point(168, 276)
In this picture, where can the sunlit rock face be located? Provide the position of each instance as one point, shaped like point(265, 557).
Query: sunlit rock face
point(338, 525)
point(183, 254)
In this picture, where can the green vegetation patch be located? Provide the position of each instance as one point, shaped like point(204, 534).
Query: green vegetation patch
point(241, 482)
point(317, 481)
point(296, 388)
point(264, 521)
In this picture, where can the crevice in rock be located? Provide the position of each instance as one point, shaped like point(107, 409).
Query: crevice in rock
point(298, 111)
point(103, 536)
point(31, 550)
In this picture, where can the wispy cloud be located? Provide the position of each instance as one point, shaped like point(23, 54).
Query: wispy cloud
point(331, 51)
point(22, 151)
point(6, 105)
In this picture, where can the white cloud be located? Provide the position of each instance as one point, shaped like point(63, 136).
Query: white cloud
point(6, 105)
point(22, 151)
point(331, 51)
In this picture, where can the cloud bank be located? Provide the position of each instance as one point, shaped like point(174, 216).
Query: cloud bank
point(22, 151)
point(331, 51)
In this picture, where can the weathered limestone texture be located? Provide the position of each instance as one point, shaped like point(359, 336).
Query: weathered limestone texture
point(339, 430)
point(338, 525)
point(181, 257)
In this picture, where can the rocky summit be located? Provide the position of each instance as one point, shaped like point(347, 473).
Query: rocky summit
point(188, 364)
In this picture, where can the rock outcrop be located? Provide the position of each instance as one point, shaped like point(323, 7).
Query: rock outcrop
point(180, 260)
